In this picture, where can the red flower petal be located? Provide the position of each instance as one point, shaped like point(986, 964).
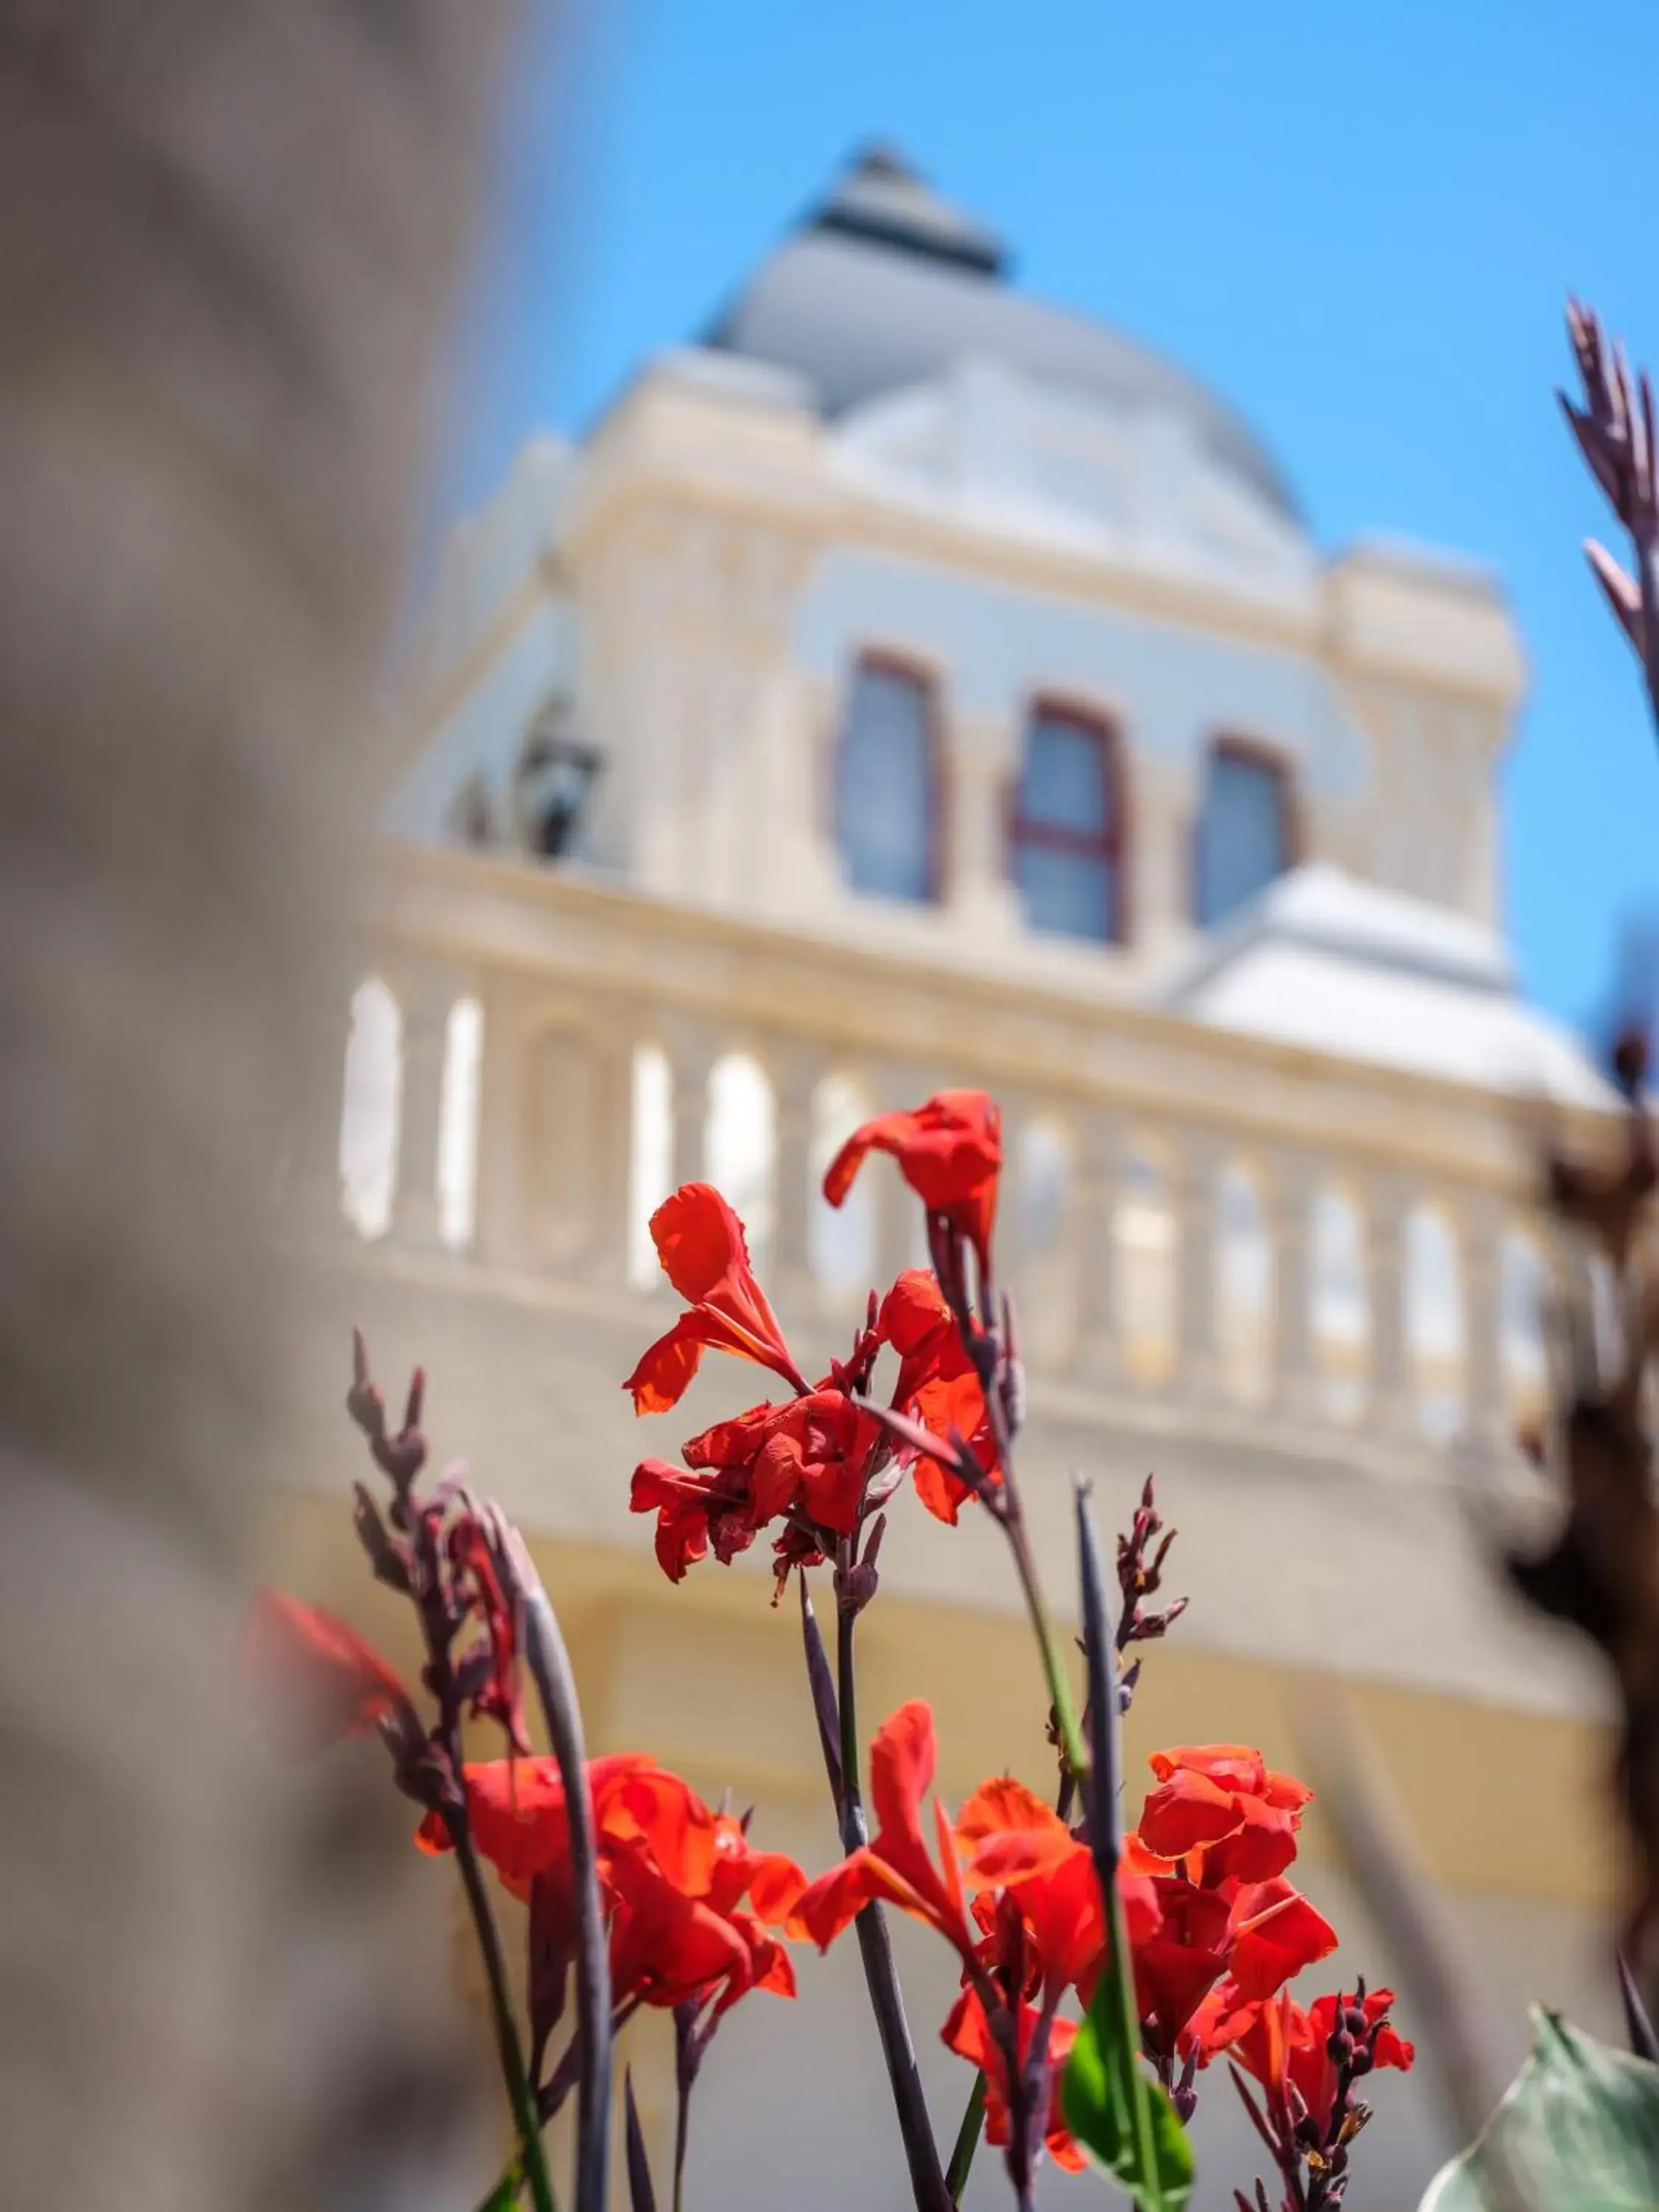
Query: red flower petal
point(1187, 1811)
point(1006, 1834)
point(700, 1243)
point(834, 1901)
point(1230, 1766)
point(1261, 1846)
point(334, 1684)
point(949, 1152)
point(665, 1367)
point(705, 1256)
point(1278, 1934)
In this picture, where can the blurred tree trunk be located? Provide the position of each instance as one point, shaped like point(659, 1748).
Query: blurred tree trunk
point(231, 231)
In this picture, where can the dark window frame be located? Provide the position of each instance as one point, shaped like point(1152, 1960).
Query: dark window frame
point(925, 675)
point(1249, 752)
point(1111, 844)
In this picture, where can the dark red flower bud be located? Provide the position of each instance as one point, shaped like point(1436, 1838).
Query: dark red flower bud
point(1362, 2062)
point(389, 1559)
point(363, 1401)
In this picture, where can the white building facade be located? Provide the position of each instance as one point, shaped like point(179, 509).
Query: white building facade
point(913, 684)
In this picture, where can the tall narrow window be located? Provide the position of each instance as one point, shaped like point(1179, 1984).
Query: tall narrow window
point(887, 785)
point(1064, 859)
point(1243, 829)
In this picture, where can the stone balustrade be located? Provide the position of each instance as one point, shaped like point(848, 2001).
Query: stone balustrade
point(1192, 1221)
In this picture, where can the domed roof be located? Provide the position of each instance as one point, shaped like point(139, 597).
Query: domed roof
point(887, 284)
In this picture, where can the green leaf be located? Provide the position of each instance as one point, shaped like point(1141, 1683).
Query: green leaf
point(1148, 2153)
point(1579, 2125)
point(506, 2193)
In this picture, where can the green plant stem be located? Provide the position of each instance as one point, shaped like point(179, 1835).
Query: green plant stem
point(1072, 1750)
point(1128, 2024)
point(967, 2142)
point(506, 2032)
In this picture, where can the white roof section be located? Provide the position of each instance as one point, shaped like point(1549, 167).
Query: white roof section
point(1337, 966)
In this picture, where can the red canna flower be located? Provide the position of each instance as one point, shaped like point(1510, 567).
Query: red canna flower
point(1220, 1801)
point(1283, 2046)
point(1043, 1923)
point(895, 1865)
point(516, 1811)
point(949, 1152)
point(1181, 1960)
point(691, 1907)
point(1037, 1929)
point(1216, 1836)
point(667, 1948)
point(937, 1386)
point(1005, 1834)
point(967, 2033)
point(331, 1682)
point(1032, 1883)
point(807, 1457)
point(701, 1244)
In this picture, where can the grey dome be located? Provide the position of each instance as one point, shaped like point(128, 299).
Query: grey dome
point(888, 283)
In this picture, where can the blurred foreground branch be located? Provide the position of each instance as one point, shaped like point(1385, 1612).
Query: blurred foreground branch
point(231, 238)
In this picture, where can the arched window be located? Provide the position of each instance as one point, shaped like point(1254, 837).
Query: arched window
point(372, 1113)
point(458, 1126)
point(651, 1158)
point(887, 799)
point(1143, 1241)
point(1244, 828)
point(1243, 1287)
point(740, 1146)
point(1066, 829)
point(1434, 1322)
point(1044, 1270)
point(842, 1239)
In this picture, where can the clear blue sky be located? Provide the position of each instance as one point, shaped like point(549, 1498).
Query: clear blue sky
point(1357, 222)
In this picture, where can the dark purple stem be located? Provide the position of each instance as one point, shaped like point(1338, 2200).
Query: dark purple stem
point(550, 1669)
point(840, 1753)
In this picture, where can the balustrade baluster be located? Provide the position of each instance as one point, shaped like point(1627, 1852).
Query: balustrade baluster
point(1388, 1410)
point(1294, 1390)
point(1100, 1164)
point(425, 996)
point(610, 1167)
point(1194, 1198)
point(1486, 1408)
point(499, 1232)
